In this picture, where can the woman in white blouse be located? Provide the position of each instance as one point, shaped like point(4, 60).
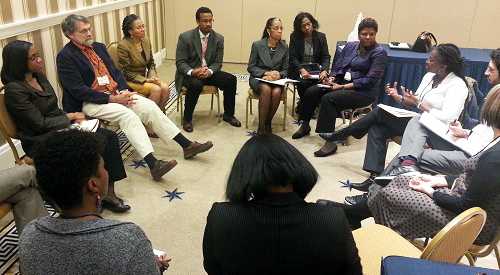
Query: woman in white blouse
point(442, 92)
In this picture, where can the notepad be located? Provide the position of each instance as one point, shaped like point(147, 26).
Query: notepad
point(280, 82)
point(397, 112)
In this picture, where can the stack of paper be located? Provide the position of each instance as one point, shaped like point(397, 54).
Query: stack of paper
point(281, 82)
point(89, 125)
point(397, 112)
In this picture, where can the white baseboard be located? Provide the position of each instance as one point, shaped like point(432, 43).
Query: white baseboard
point(6, 156)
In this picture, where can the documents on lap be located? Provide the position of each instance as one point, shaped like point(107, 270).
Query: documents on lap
point(442, 130)
point(397, 112)
point(281, 82)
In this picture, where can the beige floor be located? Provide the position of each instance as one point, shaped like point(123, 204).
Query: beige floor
point(177, 227)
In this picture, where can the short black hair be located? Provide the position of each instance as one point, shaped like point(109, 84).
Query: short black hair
point(127, 23)
point(269, 23)
point(69, 23)
point(15, 61)
point(64, 163)
point(297, 22)
point(201, 10)
point(368, 23)
point(265, 161)
point(495, 57)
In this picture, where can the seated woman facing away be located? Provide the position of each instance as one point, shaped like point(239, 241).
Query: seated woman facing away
point(70, 172)
point(135, 59)
point(419, 206)
point(32, 103)
point(267, 227)
point(269, 61)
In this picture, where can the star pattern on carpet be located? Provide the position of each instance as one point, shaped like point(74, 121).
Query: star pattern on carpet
point(346, 184)
point(251, 133)
point(138, 163)
point(171, 195)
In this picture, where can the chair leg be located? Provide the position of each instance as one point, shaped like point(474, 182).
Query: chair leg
point(212, 103)
point(470, 258)
point(293, 101)
point(182, 109)
point(342, 113)
point(249, 101)
point(218, 108)
point(350, 117)
point(284, 112)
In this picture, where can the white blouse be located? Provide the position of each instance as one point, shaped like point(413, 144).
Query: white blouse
point(447, 99)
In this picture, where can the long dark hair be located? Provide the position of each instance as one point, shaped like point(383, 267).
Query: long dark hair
point(297, 23)
point(15, 61)
point(495, 58)
point(265, 161)
point(269, 23)
point(449, 54)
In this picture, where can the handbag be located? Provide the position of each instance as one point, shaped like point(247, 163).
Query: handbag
point(423, 43)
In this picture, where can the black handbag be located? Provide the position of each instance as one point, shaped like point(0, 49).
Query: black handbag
point(423, 43)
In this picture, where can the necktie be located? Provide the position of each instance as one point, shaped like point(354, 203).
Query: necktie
point(204, 45)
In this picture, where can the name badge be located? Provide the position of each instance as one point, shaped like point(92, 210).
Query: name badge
point(102, 80)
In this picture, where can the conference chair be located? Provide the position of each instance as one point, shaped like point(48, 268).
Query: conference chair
point(477, 251)
point(252, 95)
point(449, 245)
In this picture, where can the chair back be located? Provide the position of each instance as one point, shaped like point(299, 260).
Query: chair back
point(454, 240)
point(113, 52)
point(7, 127)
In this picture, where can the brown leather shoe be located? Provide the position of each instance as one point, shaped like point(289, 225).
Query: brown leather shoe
point(328, 149)
point(187, 126)
point(195, 148)
point(161, 168)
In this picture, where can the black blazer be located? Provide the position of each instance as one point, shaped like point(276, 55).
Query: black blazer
point(76, 75)
point(34, 112)
point(280, 234)
point(321, 54)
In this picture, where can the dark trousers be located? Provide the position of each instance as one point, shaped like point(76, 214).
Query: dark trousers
point(310, 101)
point(333, 102)
point(222, 80)
point(305, 84)
point(111, 154)
point(380, 126)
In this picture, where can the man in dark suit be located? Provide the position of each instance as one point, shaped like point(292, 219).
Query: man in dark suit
point(93, 85)
point(198, 59)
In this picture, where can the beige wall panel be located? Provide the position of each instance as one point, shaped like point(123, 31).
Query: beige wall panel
point(484, 31)
point(449, 21)
point(227, 21)
point(337, 18)
point(256, 12)
point(169, 24)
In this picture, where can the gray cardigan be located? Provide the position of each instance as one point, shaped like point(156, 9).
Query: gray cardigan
point(51, 245)
point(260, 60)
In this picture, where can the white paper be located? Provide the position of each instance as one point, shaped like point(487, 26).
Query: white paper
point(89, 125)
point(159, 252)
point(324, 86)
point(397, 112)
point(442, 130)
point(399, 46)
point(312, 76)
point(281, 82)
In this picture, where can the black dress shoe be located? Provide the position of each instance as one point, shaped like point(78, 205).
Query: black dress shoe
point(338, 136)
point(401, 170)
point(363, 186)
point(328, 149)
point(187, 126)
point(353, 200)
point(303, 131)
point(115, 206)
point(231, 120)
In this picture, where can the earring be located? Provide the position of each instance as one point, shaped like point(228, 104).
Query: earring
point(98, 203)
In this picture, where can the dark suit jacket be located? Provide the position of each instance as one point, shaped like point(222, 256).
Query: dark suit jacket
point(279, 234)
point(321, 54)
point(34, 112)
point(260, 60)
point(77, 75)
point(132, 63)
point(188, 54)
